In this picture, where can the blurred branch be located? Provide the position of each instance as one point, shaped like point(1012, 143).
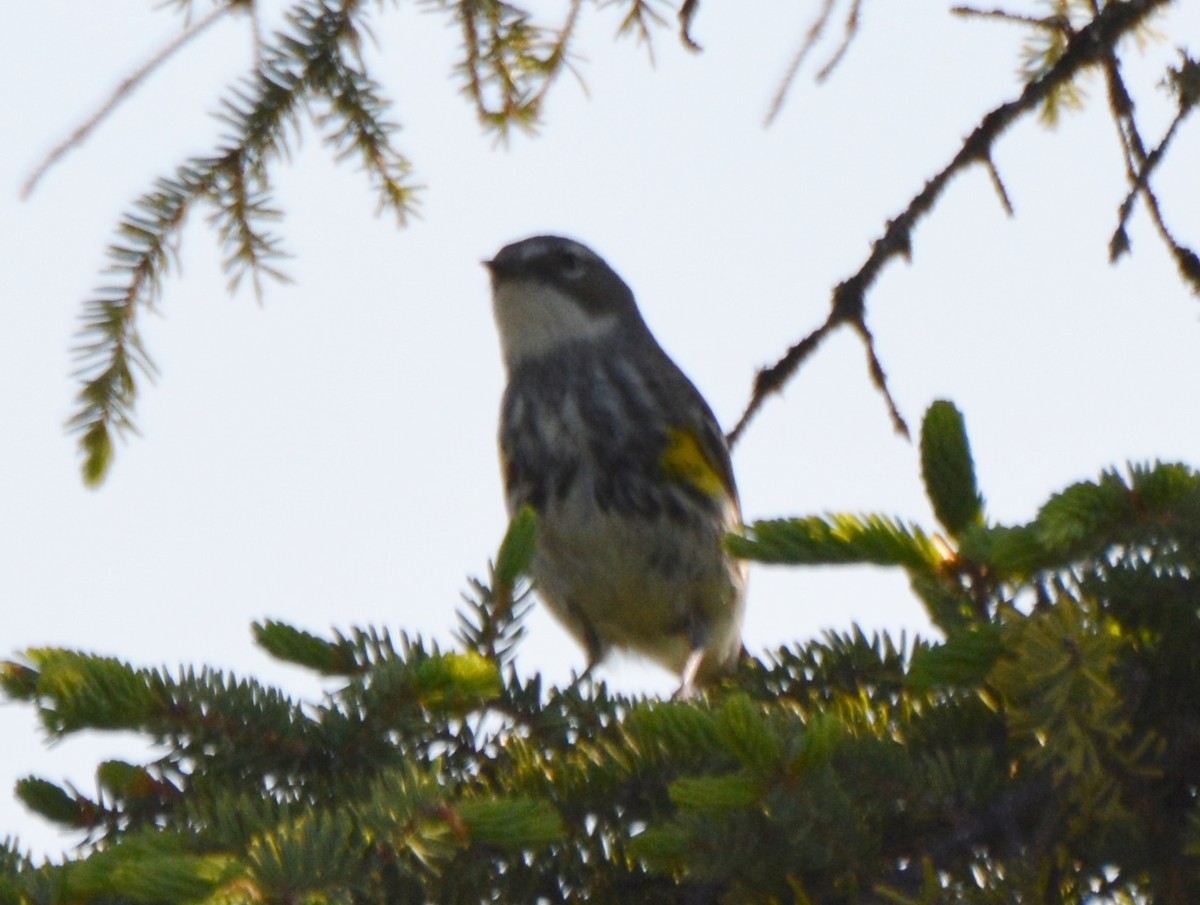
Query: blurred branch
point(509, 62)
point(687, 12)
point(813, 35)
point(122, 92)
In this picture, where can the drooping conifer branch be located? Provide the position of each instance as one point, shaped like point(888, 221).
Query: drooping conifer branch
point(313, 65)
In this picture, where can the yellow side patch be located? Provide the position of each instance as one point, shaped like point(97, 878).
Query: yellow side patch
point(685, 461)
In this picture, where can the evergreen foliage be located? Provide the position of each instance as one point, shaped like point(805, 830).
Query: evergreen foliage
point(311, 74)
point(1046, 750)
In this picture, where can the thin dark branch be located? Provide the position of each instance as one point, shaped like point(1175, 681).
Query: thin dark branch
point(122, 92)
point(1086, 47)
point(879, 377)
point(1138, 167)
point(998, 185)
point(810, 40)
point(769, 380)
point(687, 12)
point(1141, 180)
point(851, 29)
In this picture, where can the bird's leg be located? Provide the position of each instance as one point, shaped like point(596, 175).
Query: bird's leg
point(594, 646)
point(691, 666)
point(698, 636)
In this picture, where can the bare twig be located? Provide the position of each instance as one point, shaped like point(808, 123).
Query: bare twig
point(687, 12)
point(1141, 180)
point(772, 379)
point(879, 378)
point(851, 29)
point(504, 50)
point(1054, 22)
point(1086, 47)
point(810, 39)
point(122, 92)
point(998, 185)
point(1139, 164)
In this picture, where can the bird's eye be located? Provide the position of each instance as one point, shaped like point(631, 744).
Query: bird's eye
point(570, 264)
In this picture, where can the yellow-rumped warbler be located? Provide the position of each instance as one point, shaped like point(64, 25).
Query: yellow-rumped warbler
point(623, 462)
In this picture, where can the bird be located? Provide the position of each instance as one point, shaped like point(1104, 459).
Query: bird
point(623, 463)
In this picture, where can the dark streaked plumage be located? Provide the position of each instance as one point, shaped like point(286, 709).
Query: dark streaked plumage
point(622, 460)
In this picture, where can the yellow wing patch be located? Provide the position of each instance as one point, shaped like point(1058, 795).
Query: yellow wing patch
point(685, 461)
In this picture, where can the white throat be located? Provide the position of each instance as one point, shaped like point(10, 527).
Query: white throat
point(534, 318)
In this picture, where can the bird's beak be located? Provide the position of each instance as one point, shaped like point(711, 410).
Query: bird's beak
point(495, 270)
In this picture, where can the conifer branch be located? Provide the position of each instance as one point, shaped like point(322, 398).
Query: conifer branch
point(638, 21)
point(310, 63)
point(838, 539)
point(510, 63)
point(1037, 749)
point(506, 57)
point(313, 69)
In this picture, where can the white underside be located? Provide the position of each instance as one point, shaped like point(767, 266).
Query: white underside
point(606, 576)
point(534, 318)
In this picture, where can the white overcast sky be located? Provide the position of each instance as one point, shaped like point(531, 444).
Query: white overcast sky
point(328, 457)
